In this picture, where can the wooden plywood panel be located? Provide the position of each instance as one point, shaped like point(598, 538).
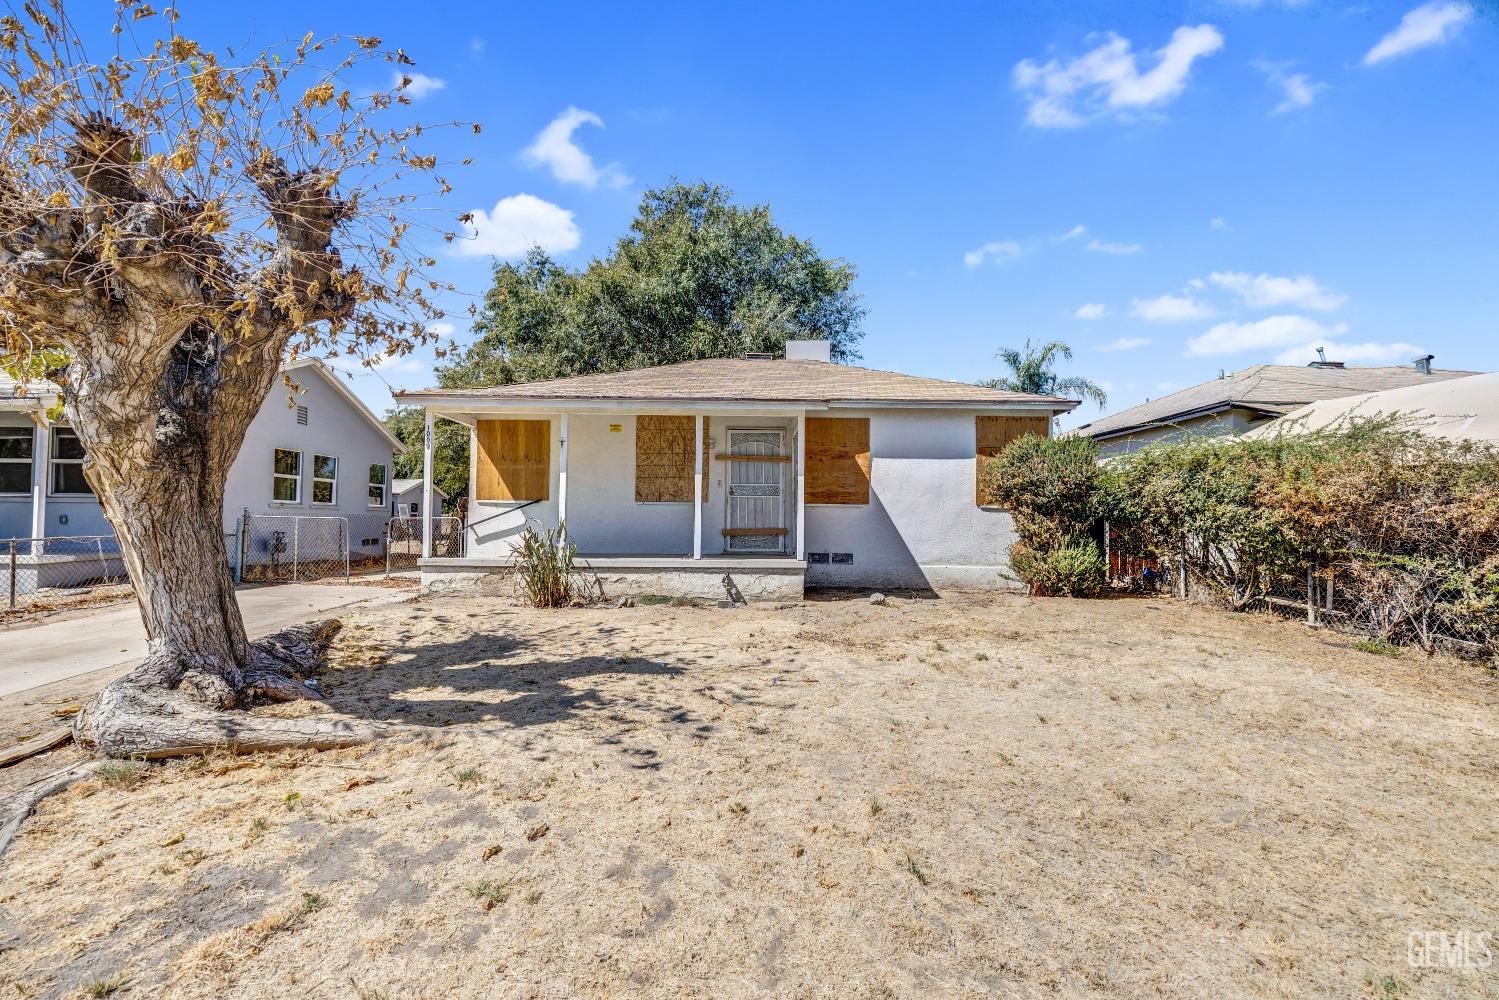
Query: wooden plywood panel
point(664, 448)
point(837, 460)
point(992, 435)
point(514, 460)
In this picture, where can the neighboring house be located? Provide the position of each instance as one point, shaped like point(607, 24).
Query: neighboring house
point(726, 477)
point(1460, 409)
point(407, 496)
point(316, 451)
point(1235, 402)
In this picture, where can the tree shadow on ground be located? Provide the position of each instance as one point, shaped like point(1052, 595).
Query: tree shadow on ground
point(488, 679)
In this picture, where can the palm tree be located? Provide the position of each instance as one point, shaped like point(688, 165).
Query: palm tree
point(1031, 371)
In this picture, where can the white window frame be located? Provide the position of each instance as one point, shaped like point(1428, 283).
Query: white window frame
point(286, 475)
point(53, 461)
point(324, 479)
point(383, 484)
point(30, 463)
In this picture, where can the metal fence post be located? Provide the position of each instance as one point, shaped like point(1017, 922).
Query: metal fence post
point(1182, 569)
point(244, 545)
point(1311, 595)
point(296, 539)
point(343, 526)
point(12, 574)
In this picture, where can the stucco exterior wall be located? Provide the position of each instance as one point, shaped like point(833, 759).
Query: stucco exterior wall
point(921, 527)
point(603, 516)
point(333, 428)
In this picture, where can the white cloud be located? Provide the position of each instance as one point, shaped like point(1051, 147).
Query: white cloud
point(1269, 291)
point(998, 251)
point(517, 224)
point(1107, 79)
point(554, 147)
point(1217, 223)
point(1073, 233)
point(1366, 351)
point(441, 328)
point(1091, 310)
point(1297, 90)
point(1272, 331)
point(477, 46)
point(416, 85)
point(1170, 309)
point(1124, 344)
point(1100, 246)
point(1429, 24)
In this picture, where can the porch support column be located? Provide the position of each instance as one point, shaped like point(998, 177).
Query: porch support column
point(429, 491)
point(562, 474)
point(41, 460)
point(801, 485)
point(697, 486)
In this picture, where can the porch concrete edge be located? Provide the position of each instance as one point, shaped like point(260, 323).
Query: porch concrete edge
point(710, 578)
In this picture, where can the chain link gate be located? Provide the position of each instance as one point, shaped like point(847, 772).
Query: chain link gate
point(403, 545)
point(33, 569)
point(285, 548)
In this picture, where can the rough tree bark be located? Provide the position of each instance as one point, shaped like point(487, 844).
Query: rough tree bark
point(161, 399)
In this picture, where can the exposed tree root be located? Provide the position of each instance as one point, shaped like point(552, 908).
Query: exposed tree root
point(13, 811)
point(138, 716)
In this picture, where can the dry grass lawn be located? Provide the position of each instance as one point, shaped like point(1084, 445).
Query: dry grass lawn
point(982, 796)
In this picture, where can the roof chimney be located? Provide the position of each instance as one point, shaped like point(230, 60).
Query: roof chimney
point(809, 350)
point(1423, 365)
point(1322, 361)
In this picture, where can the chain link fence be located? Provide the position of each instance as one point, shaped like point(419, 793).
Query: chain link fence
point(403, 546)
point(38, 570)
point(286, 548)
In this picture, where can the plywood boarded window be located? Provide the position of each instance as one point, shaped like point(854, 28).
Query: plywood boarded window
point(991, 435)
point(514, 460)
point(664, 449)
point(837, 460)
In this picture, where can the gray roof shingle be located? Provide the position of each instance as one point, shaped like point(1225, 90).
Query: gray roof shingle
point(1270, 388)
point(758, 381)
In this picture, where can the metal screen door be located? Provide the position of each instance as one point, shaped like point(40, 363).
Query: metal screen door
point(756, 497)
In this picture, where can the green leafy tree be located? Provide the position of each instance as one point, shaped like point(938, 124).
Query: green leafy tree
point(450, 460)
point(1032, 369)
point(697, 276)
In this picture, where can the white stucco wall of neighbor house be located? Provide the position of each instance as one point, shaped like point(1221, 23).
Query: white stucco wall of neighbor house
point(921, 527)
point(334, 429)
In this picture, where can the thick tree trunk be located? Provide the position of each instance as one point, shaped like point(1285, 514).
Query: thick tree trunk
point(158, 461)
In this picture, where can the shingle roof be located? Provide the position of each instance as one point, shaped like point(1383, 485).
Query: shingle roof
point(1270, 388)
point(1461, 409)
point(759, 381)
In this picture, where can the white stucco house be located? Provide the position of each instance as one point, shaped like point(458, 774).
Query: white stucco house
point(312, 451)
point(751, 476)
point(407, 496)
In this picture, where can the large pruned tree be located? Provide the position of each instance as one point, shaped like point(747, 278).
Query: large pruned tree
point(174, 223)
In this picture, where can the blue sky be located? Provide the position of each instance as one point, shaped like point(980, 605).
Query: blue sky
point(1170, 188)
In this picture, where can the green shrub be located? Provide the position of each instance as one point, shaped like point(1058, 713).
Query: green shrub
point(1072, 569)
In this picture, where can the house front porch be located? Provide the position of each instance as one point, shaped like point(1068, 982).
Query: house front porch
point(659, 500)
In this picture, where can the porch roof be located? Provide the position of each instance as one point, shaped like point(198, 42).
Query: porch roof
point(747, 381)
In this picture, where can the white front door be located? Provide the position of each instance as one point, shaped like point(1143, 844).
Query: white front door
point(756, 516)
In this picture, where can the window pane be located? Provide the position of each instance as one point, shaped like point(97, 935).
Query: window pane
point(377, 495)
point(377, 474)
point(288, 463)
point(15, 477)
point(67, 477)
point(324, 467)
point(322, 491)
point(65, 444)
point(285, 489)
point(15, 442)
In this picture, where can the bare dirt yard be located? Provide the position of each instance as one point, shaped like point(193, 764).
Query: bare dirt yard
point(979, 796)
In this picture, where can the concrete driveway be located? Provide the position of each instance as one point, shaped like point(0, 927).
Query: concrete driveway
point(112, 639)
